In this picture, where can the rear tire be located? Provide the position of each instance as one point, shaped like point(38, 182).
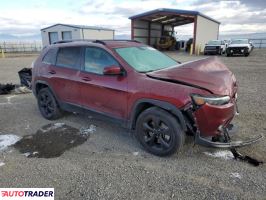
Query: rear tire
point(48, 105)
point(159, 132)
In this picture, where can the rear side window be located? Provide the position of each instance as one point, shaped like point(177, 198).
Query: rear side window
point(49, 57)
point(68, 57)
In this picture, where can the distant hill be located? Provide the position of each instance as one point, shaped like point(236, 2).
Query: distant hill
point(122, 37)
point(9, 37)
point(246, 35)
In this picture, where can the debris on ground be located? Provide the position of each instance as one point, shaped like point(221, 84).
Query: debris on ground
point(248, 159)
point(6, 88)
point(50, 127)
point(2, 164)
point(235, 175)
point(8, 140)
point(234, 154)
point(21, 90)
point(136, 153)
point(88, 131)
point(50, 141)
point(25, 83)
point(226, 154)
point(8, 98)
point(25, 76)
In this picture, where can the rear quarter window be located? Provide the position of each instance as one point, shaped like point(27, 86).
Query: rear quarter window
point(68, 57)
point(50, 57)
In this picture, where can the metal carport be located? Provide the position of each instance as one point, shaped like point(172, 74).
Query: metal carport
point(149, 26)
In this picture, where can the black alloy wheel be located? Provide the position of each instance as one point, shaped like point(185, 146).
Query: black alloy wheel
point(159, 132)
point(48, 105)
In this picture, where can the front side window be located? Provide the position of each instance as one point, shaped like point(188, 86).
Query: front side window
point(68, 57)
point(145, 59)
point(97, 59)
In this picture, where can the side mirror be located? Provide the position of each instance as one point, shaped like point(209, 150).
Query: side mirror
point(112, 70)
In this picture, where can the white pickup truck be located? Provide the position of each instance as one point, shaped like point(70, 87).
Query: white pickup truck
point(215, 47)
point(239, 47)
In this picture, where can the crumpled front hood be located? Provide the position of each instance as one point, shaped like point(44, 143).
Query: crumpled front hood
point(208, 73)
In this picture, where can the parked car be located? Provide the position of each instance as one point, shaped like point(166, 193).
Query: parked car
point(239, 47)
point(140, 88)
point(215, 47)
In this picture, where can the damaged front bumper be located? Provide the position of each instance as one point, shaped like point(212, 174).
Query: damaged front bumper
point(217, 130)
point(226, 144)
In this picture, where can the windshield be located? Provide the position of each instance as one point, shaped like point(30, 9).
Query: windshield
point(244, 41)
point(214, 42)
point(145, 59)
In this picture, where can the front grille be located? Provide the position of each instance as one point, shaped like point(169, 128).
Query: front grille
point(211, 47)
point(237, 49)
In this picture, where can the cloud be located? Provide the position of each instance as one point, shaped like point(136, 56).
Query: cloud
point(234, 15)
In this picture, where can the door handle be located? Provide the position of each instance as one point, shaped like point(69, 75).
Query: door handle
point(86, 79)
point(52, 72)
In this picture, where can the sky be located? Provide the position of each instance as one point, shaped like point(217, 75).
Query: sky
point(25, 18)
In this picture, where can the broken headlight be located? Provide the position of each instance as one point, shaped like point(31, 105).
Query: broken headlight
point(213, 100)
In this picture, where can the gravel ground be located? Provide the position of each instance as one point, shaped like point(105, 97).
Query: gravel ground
point(112, 165)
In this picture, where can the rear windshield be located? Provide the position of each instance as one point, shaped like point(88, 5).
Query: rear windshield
point(145, 59)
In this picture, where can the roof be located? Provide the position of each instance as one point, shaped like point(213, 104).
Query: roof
point(79, 27)
point(167, 12)
point(107, 43)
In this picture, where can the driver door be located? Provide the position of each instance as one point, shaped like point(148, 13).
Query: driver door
point(102, 93)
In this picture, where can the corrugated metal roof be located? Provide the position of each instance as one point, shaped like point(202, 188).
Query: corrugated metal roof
point(79, 27)
point(172, 11)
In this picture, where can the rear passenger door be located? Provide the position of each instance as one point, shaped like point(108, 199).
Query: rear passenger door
point(64, 75)
point(102, 93)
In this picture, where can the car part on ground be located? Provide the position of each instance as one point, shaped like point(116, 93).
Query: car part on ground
point(139, 87)
point(239, 156)
point(239, 47)
point(25, 76)
point(6, 88)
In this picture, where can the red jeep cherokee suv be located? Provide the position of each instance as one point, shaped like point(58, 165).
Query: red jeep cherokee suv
point(133, 84)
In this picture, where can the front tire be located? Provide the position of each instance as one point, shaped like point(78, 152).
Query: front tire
point(48, 105)
point(159, 132)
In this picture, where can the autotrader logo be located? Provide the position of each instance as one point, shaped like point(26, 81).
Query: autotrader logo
point(27, 193)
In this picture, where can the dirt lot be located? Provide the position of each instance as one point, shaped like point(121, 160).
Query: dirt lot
point(110, 164)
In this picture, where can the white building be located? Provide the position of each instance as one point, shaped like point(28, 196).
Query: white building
point(59, 32)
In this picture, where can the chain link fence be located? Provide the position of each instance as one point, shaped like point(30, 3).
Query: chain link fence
point(20, 47)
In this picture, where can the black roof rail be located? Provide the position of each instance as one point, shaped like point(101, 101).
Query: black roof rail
point(100, 42)
point(103, 42)
point(67, 41)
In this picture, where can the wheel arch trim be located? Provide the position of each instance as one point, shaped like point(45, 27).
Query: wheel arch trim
point(135, 111)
